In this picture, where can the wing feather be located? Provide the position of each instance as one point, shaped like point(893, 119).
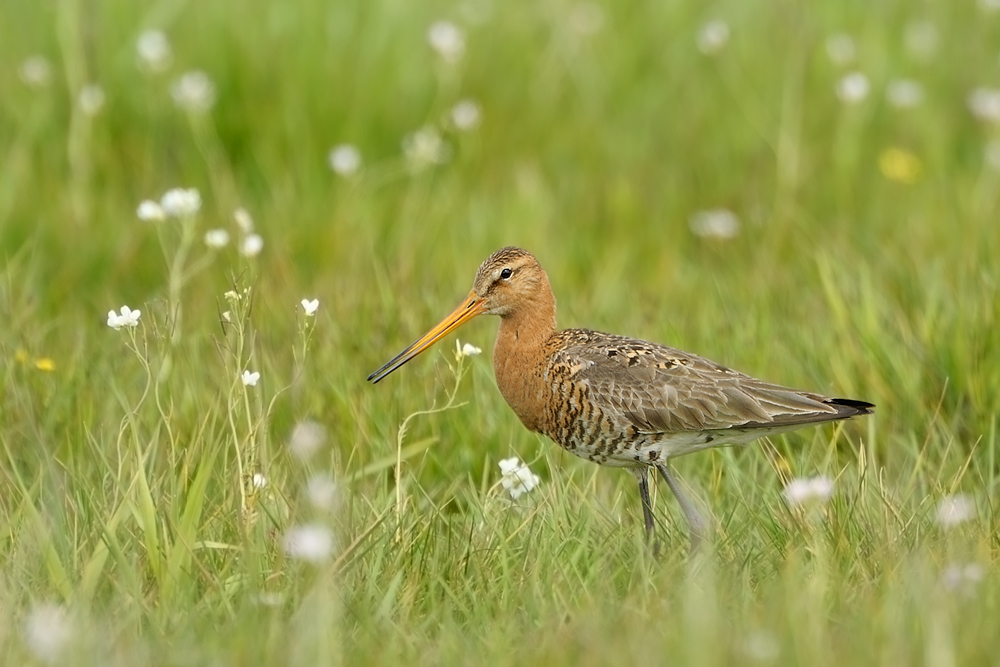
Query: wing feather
point(659, 389)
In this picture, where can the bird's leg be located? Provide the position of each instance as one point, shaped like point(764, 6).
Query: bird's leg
point(696, 524)
point(647, 507)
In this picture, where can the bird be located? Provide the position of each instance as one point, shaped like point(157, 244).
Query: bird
point(618, 401)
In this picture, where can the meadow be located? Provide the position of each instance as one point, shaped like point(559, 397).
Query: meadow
point(291, 192)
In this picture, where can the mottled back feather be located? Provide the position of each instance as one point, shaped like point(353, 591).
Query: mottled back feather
point(661, 390)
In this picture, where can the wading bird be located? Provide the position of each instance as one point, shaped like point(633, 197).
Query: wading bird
point(618, 401)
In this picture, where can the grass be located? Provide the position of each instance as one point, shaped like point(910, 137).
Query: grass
point(129, 519)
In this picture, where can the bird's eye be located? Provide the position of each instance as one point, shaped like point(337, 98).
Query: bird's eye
point(505, 274)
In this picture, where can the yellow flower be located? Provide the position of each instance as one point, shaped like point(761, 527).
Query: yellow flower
point(45, 364)
point(900, 165)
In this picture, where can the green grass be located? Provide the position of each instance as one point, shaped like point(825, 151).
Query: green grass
point(121, 496)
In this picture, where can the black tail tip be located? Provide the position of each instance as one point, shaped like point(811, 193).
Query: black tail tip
point(850, 407)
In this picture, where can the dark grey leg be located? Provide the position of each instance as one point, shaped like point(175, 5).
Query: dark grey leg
point(696, 524)
point(647, 507)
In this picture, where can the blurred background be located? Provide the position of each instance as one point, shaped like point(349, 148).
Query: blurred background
point(805, 192)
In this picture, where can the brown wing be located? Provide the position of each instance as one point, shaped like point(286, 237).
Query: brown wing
point(662, 390)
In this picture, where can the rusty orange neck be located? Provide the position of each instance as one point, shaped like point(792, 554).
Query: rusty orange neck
point(520, 354)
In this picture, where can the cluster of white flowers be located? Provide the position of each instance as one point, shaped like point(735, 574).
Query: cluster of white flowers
point(47, 632)
point(962, 577)
point(853, 88)
point(251, 243)
point(181, 202)
point(447, 40)
point(322, 492)
point(216, 238)
point(718, 223)
point(126, 318)
point(904, 93)
point(465, 115)
point(194, 92)
point(306, 439)
point(921, 38)
point(243, 220)
point(807, 491)
point(984, 103)
point(425, 147)
point(153, 50)
point(175, 203)
point(36, 72)
point(713, 36)
point(955, 510)
point(313, 543)
point(517, 478)
point(345, 159)
point(91, 99)
point(840, 49)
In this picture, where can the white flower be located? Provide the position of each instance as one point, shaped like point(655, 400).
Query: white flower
point(345, 159)
point(806, 491)
point(36, 72)
point(957, 576)
point(840, 49)
point(425, 147)
point(310, 542)
point(953, 510)
point(713, 36)
point(150, 211)
point(921, 38)
point(517, 477)
point(251, 245)
point(310, 306)
point(194, 92)
point(127, 318)
point(984, 103)
point(904, 93)
point(718, 223)
point(586, 18)
point(465, 115)
point(216, 238)
point(243, 220)
point(322, 492)
point(447, 39)
point(91, 99)
point(250, 379)
point(181, 202)
point(259, 481)
point(47, 631)
point(467, 350)
point(853, 88)
point(307, 437)
point(232, 296)
point(227, 316)
point(153, 49)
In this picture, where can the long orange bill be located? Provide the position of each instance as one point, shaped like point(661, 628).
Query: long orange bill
point(468, 309)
